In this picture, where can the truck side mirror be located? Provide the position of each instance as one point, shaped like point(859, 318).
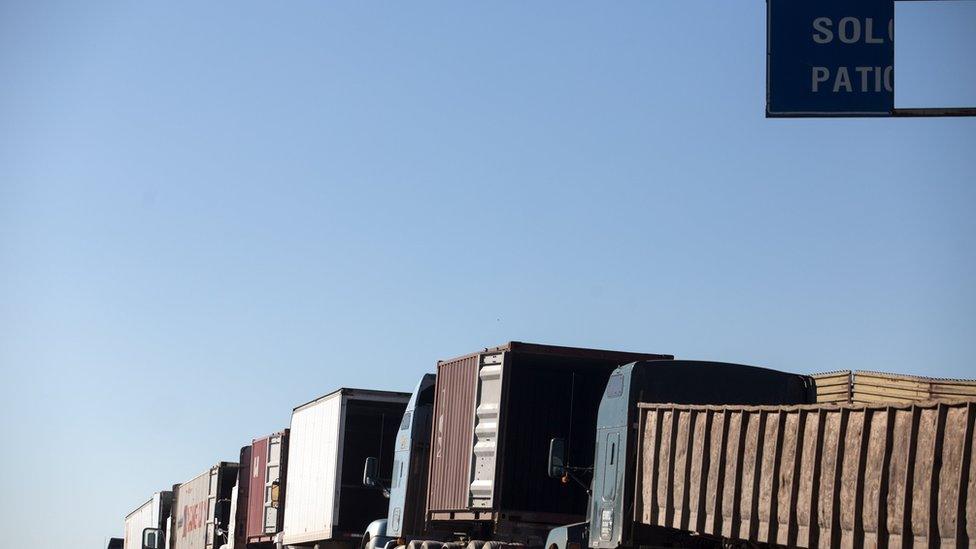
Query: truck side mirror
point(369, 473)
point(557, 458)
point(275, 494)
point(152, 538)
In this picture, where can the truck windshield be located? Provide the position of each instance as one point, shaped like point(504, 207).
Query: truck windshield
point(615, 387)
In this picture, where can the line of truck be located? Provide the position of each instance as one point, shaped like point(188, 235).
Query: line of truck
point(539, 446)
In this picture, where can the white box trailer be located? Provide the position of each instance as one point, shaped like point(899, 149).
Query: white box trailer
point(202, 508)
point(331, 437)
point(152, 514)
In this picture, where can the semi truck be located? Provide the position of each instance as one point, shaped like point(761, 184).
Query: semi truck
point(745, 470)
point(151, 515)
point(489, 410)
point(241, 505)
point(407, 485)
point(612, 465)
point(202, 508)
point(494, 411)
point(201, 515)
point(631, 441)
point(330, 437)
point(250, 515)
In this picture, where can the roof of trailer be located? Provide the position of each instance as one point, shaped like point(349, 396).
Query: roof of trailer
point(559, 350)
point(347, 391)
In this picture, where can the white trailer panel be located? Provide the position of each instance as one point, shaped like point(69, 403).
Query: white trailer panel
point(315, 461)
point(147, 515)
point(135, 523)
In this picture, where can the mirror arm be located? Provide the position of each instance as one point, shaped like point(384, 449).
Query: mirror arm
point(568, 474)
point(379, 485)
point(584, 469)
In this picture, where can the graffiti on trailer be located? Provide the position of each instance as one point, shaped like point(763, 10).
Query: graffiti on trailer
point(193, 517)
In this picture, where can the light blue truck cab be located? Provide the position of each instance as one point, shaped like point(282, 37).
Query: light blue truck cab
point(407, 487)
point(609, 522)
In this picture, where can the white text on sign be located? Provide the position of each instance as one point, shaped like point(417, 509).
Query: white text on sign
point(851, 30)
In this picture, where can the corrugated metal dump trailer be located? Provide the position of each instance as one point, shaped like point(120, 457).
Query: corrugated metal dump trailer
point(330, 439)
point(152, 514)
point(202, 508)
point(494, 414)
point(897, 475)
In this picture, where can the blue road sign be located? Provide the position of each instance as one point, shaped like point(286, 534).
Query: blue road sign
point(830, 57)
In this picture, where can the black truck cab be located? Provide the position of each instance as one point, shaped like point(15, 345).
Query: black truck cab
point(610, 514)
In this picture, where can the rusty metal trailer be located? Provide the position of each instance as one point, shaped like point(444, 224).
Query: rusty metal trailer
point(825, 475)
point(866, 387)
point(202, 508)
point(869, 387)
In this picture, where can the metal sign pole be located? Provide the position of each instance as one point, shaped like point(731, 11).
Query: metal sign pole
point(934, 111)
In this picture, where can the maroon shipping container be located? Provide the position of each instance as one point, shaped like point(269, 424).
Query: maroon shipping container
point(494, 414)
point(266, 488)
point(452, 428)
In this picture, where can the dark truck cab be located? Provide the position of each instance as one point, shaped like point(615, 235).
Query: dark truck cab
point(407, 487)
point(610, 513)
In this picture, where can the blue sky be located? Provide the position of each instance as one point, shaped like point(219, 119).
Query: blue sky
point(213, 212)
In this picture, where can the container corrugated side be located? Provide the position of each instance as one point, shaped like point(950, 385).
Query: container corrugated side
point(256, 487)
point(874, 387)
point(476, 471)
point(811, 476)
point(267, 462)
point(871, 387)
point(256, 484)
point(452, 431)
point(833, 387)
point(196, 521)
point(191, 513)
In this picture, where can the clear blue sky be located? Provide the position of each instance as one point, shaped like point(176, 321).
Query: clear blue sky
point(211, 212)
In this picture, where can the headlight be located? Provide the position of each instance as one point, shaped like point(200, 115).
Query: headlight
point(606, 524)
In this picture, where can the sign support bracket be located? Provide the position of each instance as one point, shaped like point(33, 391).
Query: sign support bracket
point(928, 112)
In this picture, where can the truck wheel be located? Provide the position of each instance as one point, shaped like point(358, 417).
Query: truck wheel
point(365, 543)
